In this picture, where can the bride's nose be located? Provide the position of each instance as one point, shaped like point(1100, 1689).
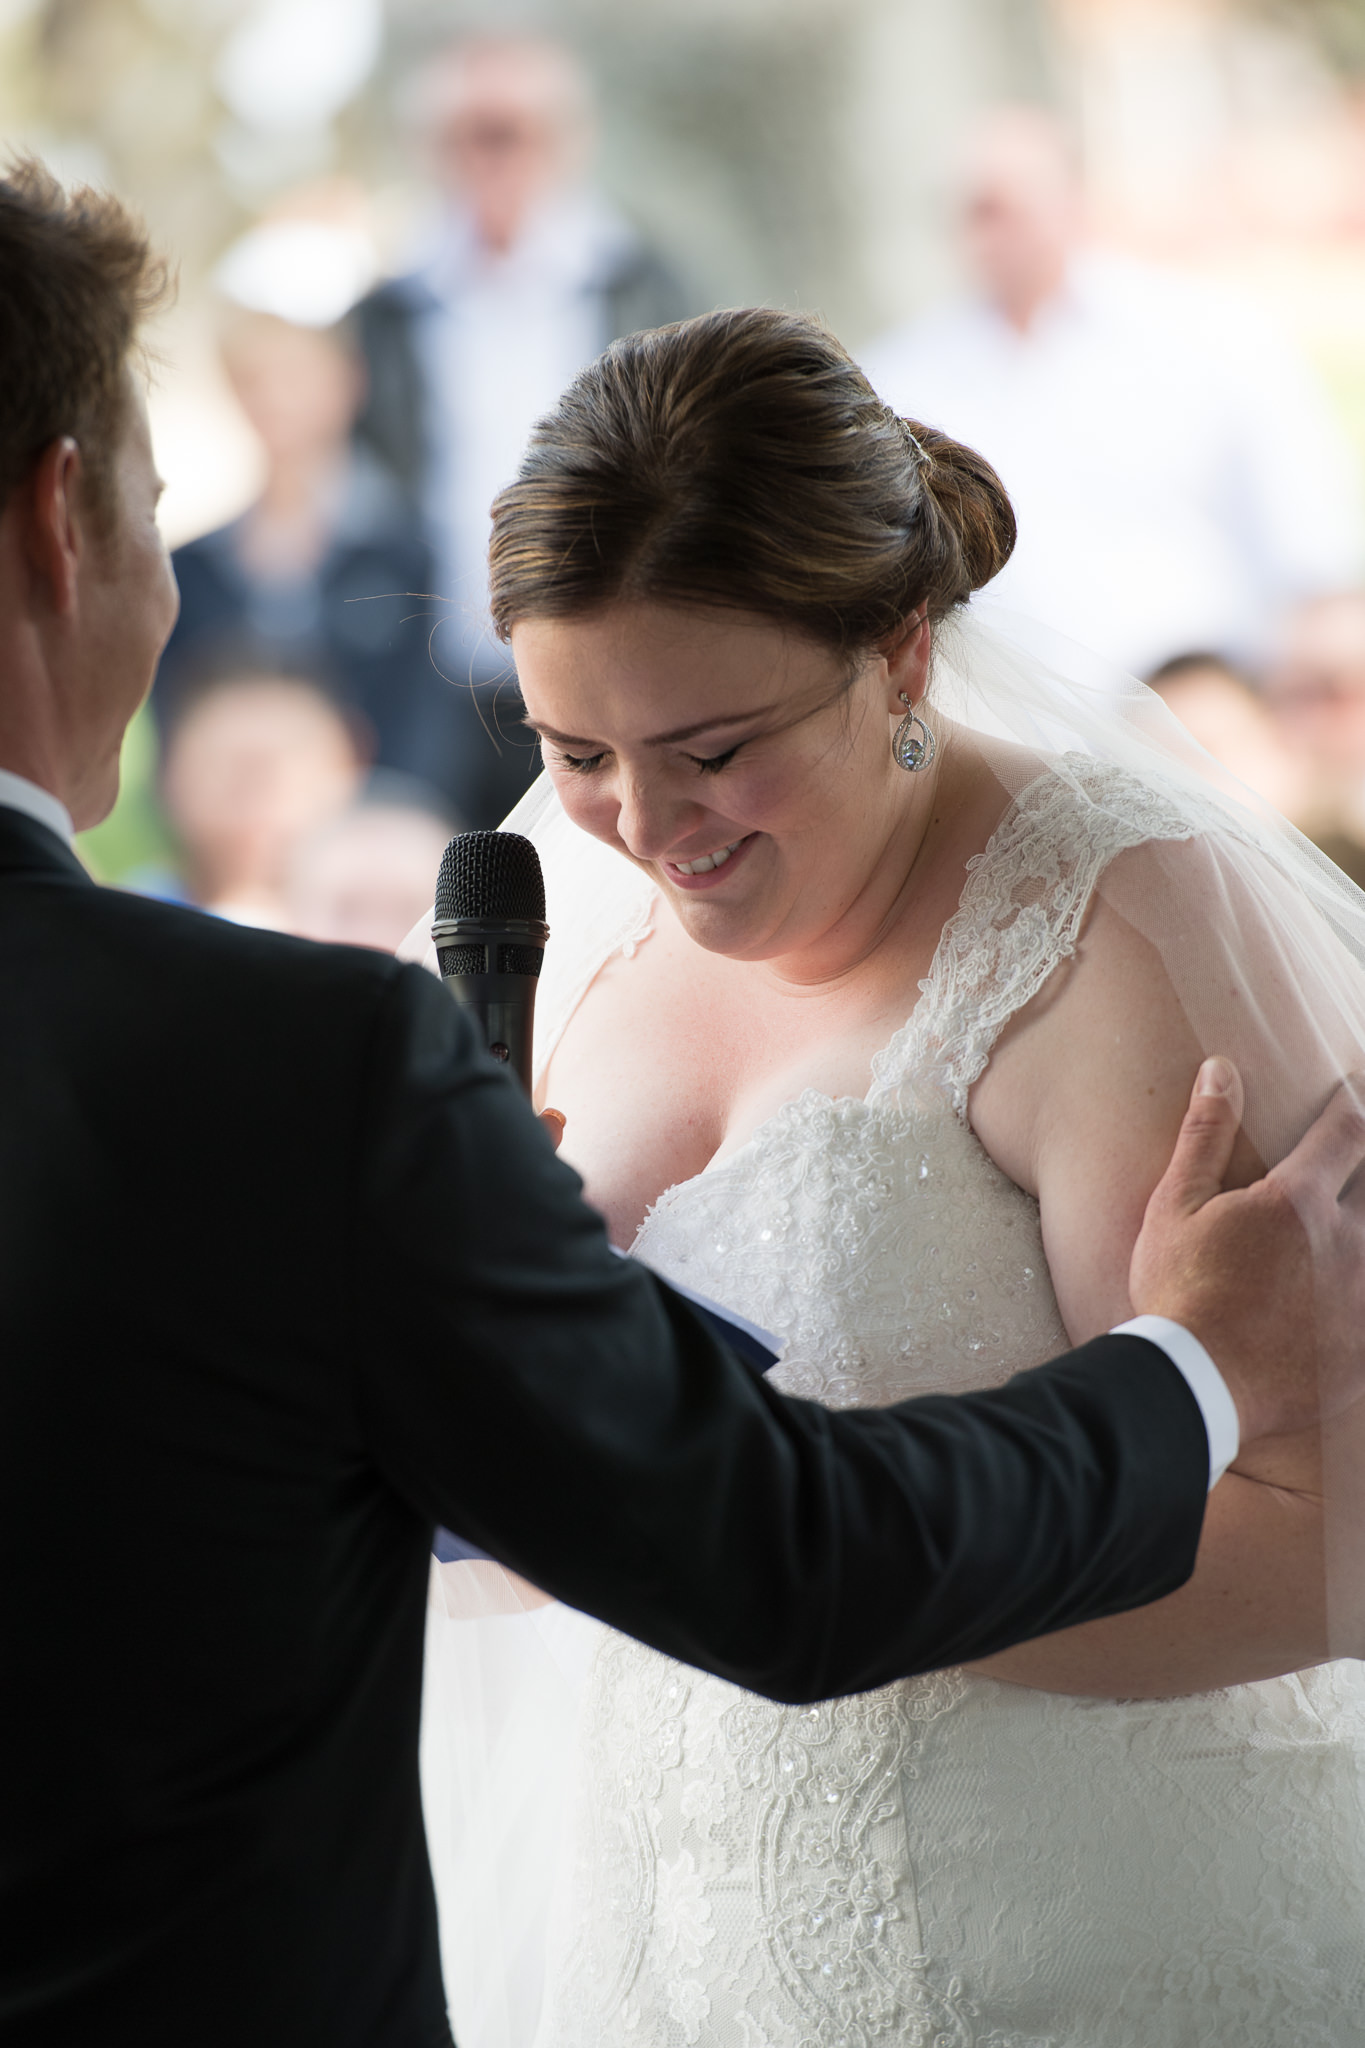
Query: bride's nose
point(653, 818)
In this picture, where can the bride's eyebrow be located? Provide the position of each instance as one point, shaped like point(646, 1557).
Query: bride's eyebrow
point(663, 739)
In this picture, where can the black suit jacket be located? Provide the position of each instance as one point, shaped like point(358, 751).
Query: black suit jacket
point(288, 1274)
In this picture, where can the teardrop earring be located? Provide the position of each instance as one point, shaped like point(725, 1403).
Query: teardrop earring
point(907, 751)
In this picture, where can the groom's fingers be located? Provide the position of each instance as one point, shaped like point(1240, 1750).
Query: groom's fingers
point(1331, 1150)
point(1203, 1150)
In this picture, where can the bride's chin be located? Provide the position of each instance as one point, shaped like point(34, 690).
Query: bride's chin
point(724, 929)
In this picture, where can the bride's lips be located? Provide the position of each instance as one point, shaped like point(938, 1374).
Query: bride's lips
point(709, 879)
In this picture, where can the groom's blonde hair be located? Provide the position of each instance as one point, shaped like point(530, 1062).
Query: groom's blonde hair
point(743, 460)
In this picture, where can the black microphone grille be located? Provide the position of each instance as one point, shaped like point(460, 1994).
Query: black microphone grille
point(490, 874)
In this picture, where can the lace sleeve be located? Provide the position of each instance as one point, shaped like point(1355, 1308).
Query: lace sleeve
point(1020, 915)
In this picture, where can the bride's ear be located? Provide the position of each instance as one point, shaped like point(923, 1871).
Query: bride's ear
point(906, 655)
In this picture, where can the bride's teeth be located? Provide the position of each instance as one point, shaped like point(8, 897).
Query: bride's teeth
point(704, 862)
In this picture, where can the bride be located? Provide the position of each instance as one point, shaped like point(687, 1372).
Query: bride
point(882, 958)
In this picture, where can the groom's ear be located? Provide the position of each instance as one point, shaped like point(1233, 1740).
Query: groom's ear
point(906, 654)
point(47, 505)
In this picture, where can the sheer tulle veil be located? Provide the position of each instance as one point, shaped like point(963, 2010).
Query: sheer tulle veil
point(1263, 941)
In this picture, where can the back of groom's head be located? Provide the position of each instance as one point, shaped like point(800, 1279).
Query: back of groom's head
point(77, 278)
point(87, 597)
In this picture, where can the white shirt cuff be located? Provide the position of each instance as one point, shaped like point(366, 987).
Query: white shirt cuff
point(1204, 1380)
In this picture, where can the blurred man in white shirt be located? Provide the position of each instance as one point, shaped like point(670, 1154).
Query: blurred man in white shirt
point(1178, 478)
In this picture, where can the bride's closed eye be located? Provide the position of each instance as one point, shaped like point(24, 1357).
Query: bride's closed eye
point(711, 764)
point(708, 764)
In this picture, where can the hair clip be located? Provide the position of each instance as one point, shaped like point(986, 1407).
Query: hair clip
point(917, 448)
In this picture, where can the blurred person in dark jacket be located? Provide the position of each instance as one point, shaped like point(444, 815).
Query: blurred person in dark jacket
point(526, 276)
point(330, 568)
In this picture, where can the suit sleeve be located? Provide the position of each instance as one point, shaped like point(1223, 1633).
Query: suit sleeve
point(564, 1410)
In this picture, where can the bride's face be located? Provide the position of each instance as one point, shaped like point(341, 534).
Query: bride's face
point(729, 757)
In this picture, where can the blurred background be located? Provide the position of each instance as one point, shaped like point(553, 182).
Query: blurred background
point(1117, 244)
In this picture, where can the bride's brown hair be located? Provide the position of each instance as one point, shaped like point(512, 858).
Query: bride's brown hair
point(743, 460)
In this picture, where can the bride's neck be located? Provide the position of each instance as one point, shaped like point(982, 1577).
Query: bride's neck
point(912, 883)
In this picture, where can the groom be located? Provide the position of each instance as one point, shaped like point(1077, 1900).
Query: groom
point(288, 1274)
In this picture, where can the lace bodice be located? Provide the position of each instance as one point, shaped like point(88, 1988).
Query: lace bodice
point(887, 1249)
point(949, 1860)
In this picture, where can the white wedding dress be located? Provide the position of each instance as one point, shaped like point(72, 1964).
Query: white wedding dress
point(949, 1862)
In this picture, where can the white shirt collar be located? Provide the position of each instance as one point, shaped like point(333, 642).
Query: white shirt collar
point(17, 793)
point(570, 243)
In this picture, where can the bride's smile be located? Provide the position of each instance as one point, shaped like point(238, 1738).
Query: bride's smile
point(692, 873)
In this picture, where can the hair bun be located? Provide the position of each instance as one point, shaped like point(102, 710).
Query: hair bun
point(977, 520)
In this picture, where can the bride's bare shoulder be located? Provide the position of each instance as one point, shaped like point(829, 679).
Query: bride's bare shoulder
point(1190, 943)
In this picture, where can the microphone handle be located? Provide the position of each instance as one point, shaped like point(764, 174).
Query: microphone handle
point(504, 1008)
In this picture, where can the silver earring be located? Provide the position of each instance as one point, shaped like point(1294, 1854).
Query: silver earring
point(907, 751)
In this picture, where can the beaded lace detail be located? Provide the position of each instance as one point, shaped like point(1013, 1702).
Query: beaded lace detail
point(947, 1862)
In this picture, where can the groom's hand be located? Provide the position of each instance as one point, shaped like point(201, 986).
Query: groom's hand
point(1270, 1278)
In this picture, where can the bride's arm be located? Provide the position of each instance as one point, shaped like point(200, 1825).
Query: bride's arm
point(1080, 1104)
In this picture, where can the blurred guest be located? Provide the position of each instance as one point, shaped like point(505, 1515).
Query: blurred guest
point(1315, 689)
point(528, 275)
point(366, 877)
point(1218, 707)
point(254, 764)
point(1088, 378)
point(329, 569)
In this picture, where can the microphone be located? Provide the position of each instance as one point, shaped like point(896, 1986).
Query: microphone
point(490, 934)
